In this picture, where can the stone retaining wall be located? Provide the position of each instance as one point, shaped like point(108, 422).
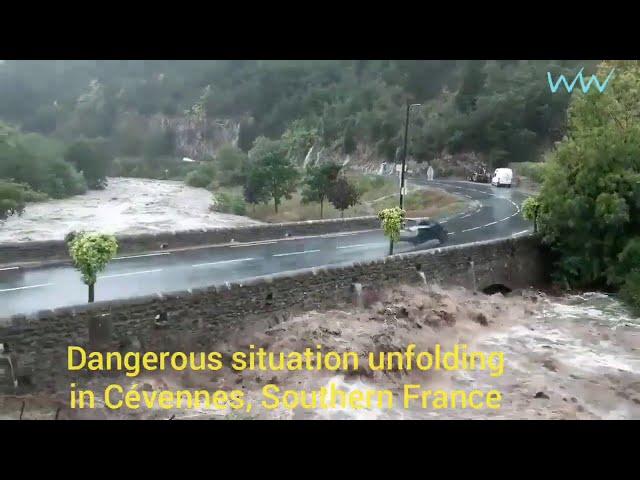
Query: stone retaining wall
point(199, 318)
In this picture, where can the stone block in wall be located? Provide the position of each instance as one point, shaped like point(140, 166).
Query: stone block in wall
point(100, 331)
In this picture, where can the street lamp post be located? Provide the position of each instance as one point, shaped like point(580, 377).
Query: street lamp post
point(404, 152)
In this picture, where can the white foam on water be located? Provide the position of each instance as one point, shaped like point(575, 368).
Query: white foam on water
point(348, 413)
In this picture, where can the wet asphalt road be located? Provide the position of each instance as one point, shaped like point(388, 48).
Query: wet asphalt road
point(496, 214)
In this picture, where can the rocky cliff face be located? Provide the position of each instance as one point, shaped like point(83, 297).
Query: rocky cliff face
point(200, 137)
point(197, 138)
point(364, 158)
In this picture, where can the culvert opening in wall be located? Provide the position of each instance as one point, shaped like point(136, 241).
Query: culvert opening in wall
point(269, 299)
point(496, 288)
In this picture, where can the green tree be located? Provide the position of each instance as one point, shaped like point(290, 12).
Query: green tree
point(92, 159)
point(255, 189)
point(318, 183)
point(91, 252)
point(590, 199)
point(299, 138)
point(232, 164)
point(343, 194)
point(392, 220)
point(272, 171)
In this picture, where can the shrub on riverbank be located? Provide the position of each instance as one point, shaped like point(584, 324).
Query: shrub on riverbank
point(590, 199)
point(229, 203)
point(35, 160)
point(202, 176)
point(14, 197)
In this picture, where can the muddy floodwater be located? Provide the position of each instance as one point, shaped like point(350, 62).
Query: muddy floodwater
point(571, 357)
point(565, 357)
point(126, 206)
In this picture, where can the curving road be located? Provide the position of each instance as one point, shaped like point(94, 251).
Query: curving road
point(495, 214)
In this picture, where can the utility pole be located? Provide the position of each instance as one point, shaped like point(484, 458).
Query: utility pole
point(404, 156)
point(404, 152)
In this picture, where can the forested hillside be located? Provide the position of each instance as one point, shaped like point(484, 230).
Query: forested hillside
point(502, 110)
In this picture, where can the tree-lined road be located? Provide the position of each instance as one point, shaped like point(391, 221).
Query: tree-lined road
point(497, 215)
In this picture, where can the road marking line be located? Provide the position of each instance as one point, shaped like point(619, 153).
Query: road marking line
point(8, 268)
point(467, 215)
point(223, 261)
point(252, 244)
point(24, 288)
point(295, 253)
point(451, 233)
point(145, 255)
point(343, 234)
point(354, 246)
point(520, 233)
point(492, 223)
point(378, 244)
point(470, 229)
point(130, 273)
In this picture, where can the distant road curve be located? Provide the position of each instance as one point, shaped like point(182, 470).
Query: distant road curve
point(28, 290)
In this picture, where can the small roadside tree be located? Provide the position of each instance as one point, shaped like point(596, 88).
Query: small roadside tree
point(318, 183)
point(392, 221)
point(530, 210)
point(91, 252)
point(343, 195)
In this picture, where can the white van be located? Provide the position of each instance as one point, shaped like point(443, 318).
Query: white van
point(502, 177)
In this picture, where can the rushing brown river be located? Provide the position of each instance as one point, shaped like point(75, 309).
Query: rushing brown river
point(568, 357)
point(572, 357)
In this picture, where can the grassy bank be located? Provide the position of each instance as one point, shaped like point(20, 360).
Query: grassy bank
point(377, 192)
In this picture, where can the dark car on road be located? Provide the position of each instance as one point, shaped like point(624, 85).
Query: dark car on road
point(424, 231)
